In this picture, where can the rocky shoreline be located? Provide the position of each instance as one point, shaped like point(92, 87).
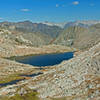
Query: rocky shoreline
point(27, 51)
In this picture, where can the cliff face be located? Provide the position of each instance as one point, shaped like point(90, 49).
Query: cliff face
point(79, 37)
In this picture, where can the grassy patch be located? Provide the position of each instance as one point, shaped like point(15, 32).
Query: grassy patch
point(59, 99)
point(28, 96)
point(10, 78)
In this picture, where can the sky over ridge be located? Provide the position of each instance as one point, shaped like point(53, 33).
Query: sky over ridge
point(49, 10)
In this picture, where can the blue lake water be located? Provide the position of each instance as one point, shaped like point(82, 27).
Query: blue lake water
point(46, 59)
point(10, 83)
point(16, 81)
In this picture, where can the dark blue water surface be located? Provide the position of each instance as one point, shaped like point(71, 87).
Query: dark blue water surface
point(10, 83)
point(16, 81)
point(46, 59)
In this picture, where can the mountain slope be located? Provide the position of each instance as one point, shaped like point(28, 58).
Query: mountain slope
point(73, 23)
point(81, 23)
point(79, 37)
point(20, 38)
point(76, 79)
point(29, 27)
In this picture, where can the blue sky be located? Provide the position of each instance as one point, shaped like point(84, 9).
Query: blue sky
point(49, 10)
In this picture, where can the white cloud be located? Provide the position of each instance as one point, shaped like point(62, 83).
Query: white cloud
point(63, 5)
point(57, 5)
point(92, 4)
point(75, 3)
point(25, 10)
